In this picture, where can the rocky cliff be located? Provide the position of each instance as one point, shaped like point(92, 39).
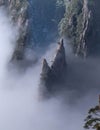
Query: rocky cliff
point(17, 10)
point(53, 76)
point(81, 25)
point(37, 23)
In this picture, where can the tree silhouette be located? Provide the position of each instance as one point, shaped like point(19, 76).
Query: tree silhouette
point(93, 118)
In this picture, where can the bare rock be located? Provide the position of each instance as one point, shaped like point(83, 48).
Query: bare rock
point(45, 68)
point(81, 25)
point(17, 10)
point(59, 63)
point(51, 77)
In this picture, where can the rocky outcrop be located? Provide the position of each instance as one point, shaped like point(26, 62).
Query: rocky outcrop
point(17, 10)
point(81, 26)
point(37, 23)
point(52, 76)
point(86, 15)
point(59, 63)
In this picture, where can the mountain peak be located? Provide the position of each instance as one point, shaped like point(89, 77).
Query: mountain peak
point(51, 76)
point(59, 63)
point(45, 67)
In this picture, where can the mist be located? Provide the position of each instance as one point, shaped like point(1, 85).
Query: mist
point(21, 107)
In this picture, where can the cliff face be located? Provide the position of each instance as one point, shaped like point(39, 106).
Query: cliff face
point(52, 77)
point(59, 63)
point(17, 10)
point(37, 22)
point(81, 26)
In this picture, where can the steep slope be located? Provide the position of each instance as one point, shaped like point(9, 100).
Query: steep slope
point(17, 10)
point(81, 26)
point(53, 76)
point(37, 22)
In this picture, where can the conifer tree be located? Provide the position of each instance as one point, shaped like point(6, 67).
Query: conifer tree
point(93, 118)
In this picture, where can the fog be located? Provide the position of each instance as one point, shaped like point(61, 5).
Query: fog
point(21, 106)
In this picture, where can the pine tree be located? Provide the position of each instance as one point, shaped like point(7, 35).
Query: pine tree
point(93, 118)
